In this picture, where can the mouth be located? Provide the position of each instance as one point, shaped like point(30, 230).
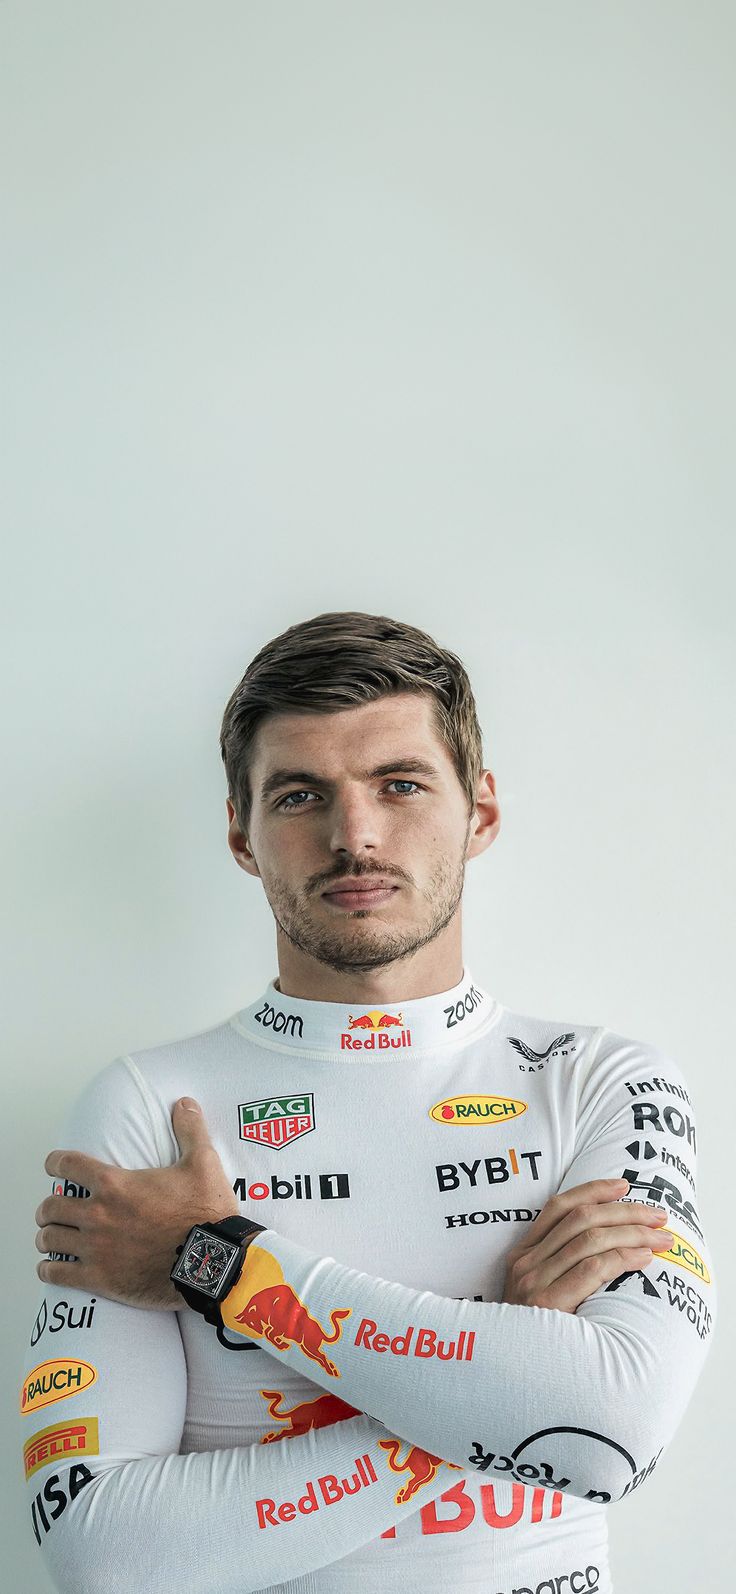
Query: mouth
point(371, 897)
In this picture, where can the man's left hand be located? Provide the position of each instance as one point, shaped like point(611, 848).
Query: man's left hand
point(126, 1233)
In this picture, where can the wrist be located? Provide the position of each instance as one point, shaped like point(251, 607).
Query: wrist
point(210, 1262)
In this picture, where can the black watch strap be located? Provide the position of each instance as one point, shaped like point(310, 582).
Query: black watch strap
point(237, 1231)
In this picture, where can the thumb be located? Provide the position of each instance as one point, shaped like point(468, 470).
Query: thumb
point(189, 1126)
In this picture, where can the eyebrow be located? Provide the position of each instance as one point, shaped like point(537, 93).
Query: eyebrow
point(289, 777)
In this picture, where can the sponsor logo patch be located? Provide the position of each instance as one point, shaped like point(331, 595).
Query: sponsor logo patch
point(379, 1032)
point(426, 1343)
point(422, 1468)
point(59, 1442)
point(276, 1121)
point(322, 1491)
point(55, 1380)
point(476, 1110)
point(319, 1413)
point(681, 1297)
point(62, 1316)
point(561, 1046)
point(54, 1497)
point(685, 1255)
point(327, 1187)
point(263, 1306)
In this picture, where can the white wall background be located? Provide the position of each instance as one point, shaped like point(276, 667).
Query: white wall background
point(423, 309)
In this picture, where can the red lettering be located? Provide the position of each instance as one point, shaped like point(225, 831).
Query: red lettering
point(488, 1506)
point(266, 1510)
point(308, 1501)
point(287, 1511)
point(330, 1487)
point(365, 1330)
point(431, 1523)
point(381, 1342)
point(425, 1337)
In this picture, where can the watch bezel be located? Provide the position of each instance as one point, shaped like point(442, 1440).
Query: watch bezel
point(235, 1248)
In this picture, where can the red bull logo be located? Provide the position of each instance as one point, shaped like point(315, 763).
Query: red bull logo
point(420, 1465)
point(319, 1492)
point(319, 1413)
point(264, 1306)
point(426, 1342)
point(375, 1036)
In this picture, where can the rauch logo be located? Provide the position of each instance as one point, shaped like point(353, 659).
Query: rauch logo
point(476, 1110)
point(55, 1380)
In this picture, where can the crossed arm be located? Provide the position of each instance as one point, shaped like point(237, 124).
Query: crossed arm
point(590, 1382)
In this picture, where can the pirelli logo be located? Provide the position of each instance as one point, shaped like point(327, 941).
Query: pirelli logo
point(62, 1441)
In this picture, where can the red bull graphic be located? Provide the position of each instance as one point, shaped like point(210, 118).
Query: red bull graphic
point(263, 1306)
point(375, 1037)
point(426, 1343)
point(319, 1413)
point(420, 1465)
point(330, 1487)
point(456, 1510)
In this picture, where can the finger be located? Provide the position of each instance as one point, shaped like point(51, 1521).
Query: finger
point(55, 1237)
point(590, 1220)
point(77, 1167)
point(589, 1247)
point(62, 1209)
point(67, 1275)
point(596, 1190)
point(190, 1127)
point(572, 1288)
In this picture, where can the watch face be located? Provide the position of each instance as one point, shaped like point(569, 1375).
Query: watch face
point(204, 1261)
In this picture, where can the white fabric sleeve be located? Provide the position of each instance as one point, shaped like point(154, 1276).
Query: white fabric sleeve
point(583, 1402)
point(103, 1402)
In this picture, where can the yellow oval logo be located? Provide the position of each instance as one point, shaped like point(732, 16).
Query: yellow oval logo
point(685, 1255)
point(476, 1110)
point(55, 1380)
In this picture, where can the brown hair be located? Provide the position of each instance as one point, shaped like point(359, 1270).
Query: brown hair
point(336, 661)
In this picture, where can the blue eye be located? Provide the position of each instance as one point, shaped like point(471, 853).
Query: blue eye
point(289, 803)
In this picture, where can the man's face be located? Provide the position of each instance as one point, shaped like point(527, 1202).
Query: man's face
point(337, 817)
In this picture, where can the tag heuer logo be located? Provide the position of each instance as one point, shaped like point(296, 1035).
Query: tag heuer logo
point(277, 1120)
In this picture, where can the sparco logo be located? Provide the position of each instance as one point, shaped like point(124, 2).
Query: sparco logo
point(330, 1187)
point(585, 1582)
point(467, 1004)
point(559, 1047)
point(277, 1120)
point(281, 1023)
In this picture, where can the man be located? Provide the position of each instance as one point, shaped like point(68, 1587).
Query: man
point(434, 1225)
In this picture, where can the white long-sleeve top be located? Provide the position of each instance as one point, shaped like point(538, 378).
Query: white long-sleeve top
point(434, 1437)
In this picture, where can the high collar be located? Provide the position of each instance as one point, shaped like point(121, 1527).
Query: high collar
point(358, 1031)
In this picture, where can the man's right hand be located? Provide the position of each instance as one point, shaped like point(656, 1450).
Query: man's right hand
point(582, 1239)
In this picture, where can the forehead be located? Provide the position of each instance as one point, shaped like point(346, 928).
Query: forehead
point(401, 725)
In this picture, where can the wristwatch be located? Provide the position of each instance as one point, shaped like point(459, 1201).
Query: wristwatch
point(210, 1262)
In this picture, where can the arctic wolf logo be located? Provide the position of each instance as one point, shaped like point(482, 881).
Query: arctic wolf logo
point(538, 1057)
